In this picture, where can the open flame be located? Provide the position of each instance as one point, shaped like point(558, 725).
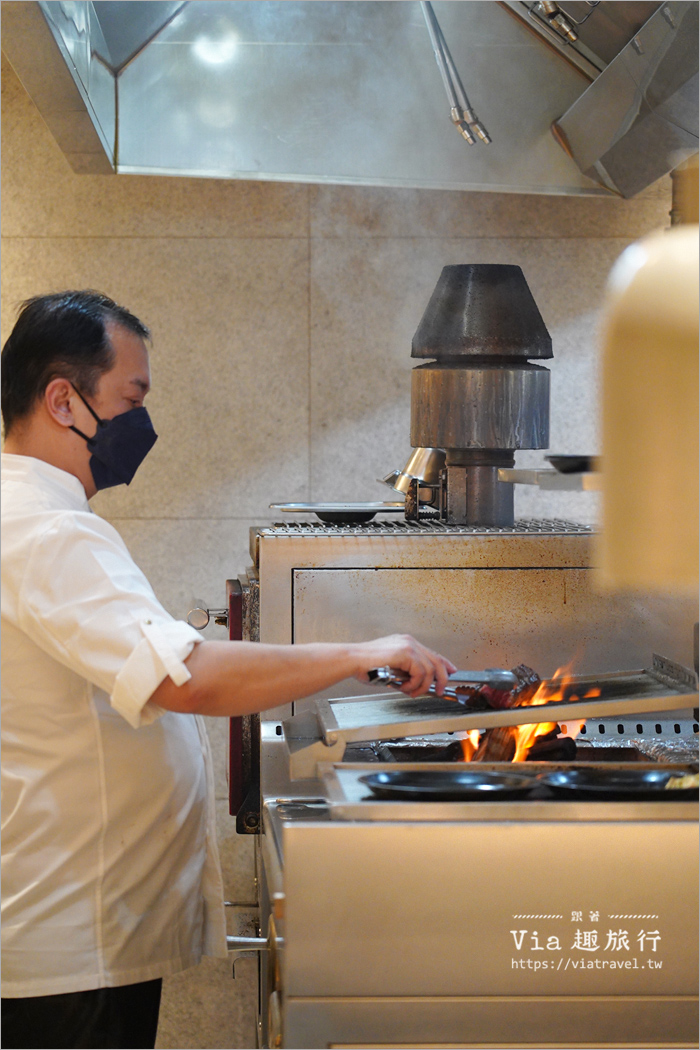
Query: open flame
point(470, 744)
point(556, 688)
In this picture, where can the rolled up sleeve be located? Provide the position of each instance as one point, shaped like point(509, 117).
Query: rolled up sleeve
point(162, 652)
point(87, 604)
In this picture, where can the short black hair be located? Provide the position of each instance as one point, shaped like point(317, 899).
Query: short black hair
point(59, 335)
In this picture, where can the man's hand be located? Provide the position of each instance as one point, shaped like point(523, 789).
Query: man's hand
point(404, 653)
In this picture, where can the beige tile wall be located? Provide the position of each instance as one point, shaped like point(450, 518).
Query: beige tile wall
point(282, 319)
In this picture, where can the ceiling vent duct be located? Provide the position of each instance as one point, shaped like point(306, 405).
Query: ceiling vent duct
point(639, 119)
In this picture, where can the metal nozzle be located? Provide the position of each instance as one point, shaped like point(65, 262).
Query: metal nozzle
point(565, 28)
point(465, 132)
point(461, 113)
point(481, 132)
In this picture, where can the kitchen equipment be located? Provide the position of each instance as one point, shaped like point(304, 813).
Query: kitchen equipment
point(105, 77)
point(481, 398)
point(461, 684)
point(620, 784)
point(425, 465)
point(448, 785)
point(574, 464)
point(661, 59)
point(338, 513)
point(414, 921)
point(536, 920)
point(322, 733)
point(461, 112)
point(390, 918)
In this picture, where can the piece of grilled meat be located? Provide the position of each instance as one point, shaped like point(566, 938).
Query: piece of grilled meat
point(498, 745)
point(528, 684)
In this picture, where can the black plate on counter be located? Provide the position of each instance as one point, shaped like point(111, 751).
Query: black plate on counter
point(573, 464)
point(341, 513)
point(621, 785)
point(447, 785)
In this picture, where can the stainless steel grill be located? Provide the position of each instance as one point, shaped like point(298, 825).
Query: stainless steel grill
point(391, 921)
point(528, 526)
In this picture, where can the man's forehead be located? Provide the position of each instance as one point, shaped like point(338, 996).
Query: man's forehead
point(130, 355)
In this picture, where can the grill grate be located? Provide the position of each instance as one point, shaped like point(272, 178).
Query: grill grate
point(527, 527)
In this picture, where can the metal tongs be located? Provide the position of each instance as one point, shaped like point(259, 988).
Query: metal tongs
point(463, 684)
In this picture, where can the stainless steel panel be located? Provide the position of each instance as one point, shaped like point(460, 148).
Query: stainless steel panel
point(428, 910)
point(639, 119)
point(612, 27)
point(50, 47)
point(484, 617)
point(280, 549)
point(552, 480)
point(129, 25)
point(346, 92)
point(79, 36)
point(492, 1022)
point(599, 38)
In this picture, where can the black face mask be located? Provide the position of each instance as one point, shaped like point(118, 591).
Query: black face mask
point(119, 446)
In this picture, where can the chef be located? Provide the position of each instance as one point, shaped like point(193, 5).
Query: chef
point(110, 873)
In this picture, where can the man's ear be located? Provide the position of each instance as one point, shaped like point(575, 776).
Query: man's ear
point(57, 400)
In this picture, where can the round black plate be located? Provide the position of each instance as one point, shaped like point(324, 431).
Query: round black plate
point(572, 464)
point(438, 785)
point(342, 513)
point(642, 785)
point(344, 517)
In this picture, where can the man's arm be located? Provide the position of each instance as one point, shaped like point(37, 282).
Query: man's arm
point(236, 678)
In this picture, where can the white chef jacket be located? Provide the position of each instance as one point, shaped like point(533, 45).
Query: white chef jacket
point(110, 872)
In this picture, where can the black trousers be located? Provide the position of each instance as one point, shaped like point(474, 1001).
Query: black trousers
point(125, 1017)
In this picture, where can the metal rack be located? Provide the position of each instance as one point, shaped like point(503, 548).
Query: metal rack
point(528, 526)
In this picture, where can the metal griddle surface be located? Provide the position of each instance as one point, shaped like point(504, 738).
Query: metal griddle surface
point(396, 715)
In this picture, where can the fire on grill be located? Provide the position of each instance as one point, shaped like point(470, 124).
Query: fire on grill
point(492, 710)
point(538, 741)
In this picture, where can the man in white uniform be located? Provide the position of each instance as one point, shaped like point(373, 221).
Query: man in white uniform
point(110, 873)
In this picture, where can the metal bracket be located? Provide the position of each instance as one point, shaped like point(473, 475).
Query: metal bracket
point(248, 816)
point(411, 503)
point(305, 749)
point(327, 722)
point(241, 946)
point(669, 671)
point(551, 480)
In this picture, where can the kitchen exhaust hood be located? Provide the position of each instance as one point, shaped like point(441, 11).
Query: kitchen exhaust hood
point(349, 91)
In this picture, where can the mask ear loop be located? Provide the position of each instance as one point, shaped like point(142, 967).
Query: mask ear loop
point(100, 422)
point(83, 436)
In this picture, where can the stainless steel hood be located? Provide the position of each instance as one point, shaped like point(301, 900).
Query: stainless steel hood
point(339, 91)
point(641, 114)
